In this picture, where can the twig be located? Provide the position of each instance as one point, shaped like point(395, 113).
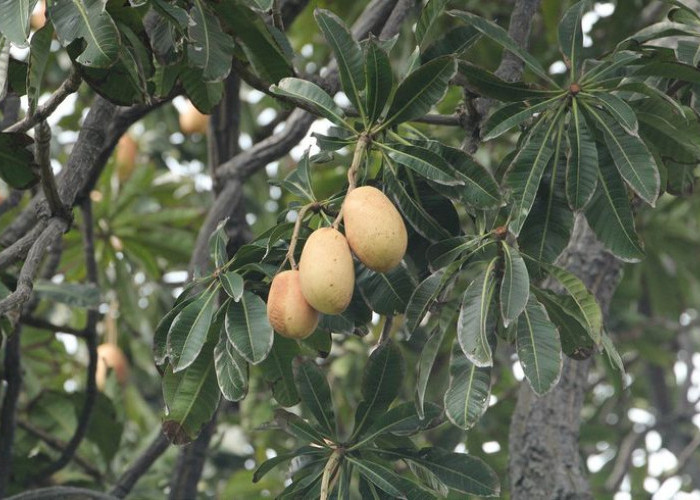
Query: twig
point(60, 445)
point(386, 330)
point(329, 472)
point(360, 149)
point(42, 324)
point(17, 250)
point(90, 332)
point(683, 458)
point(42, 132)
point(295, 233)
point(25, 283)
point(70, 85)
point(129, 478)
point(13, 378)
point(62, 493)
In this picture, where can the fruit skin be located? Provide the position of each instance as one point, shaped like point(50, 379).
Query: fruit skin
point(111, 356)
point(288, 311)
point(192, 121)
point(125, 157)
point(326, 271)
point(37, 19)
point(374, 229)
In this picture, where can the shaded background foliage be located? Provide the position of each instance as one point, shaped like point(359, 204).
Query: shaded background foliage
point(639, 433)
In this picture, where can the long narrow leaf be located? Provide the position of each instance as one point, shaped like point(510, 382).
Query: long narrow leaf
point(515, 284)
point(467, 396)
point(311, 96)
point(477, 322)
point(582, 162)
point(316, 395)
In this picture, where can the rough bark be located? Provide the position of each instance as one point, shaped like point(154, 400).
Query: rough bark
point(544, 458)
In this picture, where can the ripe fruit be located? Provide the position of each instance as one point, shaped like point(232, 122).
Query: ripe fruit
point(374, 228)
point(192, 121)
point(37, 19)
point(326, 271)
point(110, 356)
point(288, 311)
point(126, 152)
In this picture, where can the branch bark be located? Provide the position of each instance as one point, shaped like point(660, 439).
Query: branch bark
point(131, 476)
point(544, 458)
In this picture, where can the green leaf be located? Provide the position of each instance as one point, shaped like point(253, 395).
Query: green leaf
point(515, 285)
point(539, 349)
point(582, 162)
point(347, 53)
point(209, 48)
point(14, 20)
point(316, 395)
point(420, 90)
point(38, 59)
point(454, 42)
point(386, 293)
point(388, 480)
point(381, 382)
point(631, 156)
point(461, 473)
point(480, 189)
point(492, 86)
point(189, 330)
point(445, 252)
point(379, 80)
point(233, 284)
point(260, 42)
point(217, 246)
point(432, 10)
point(17, 166)
point(422, 298)
point(612, 354)
point(477, 318)
point(248, 328)
point(425, 367)
point(610, 215)
point(72, 294)
point(310, 96)
point(467, 396)
point(231, 368)
point(526, 171)
point(547, 229)
point(268, 465)
point(193, 398)
point(204, 95)
point(403, 420)
point(277, 371)
point(296, 426)
point(88, 21)
point(263, 5)
point(505, 118)
point(501, 37)
point(424, 162)
point(563, 312)
point(586, 302)
point(160, 337)
point(571, 35)
point(619, 110)
point(411, 207)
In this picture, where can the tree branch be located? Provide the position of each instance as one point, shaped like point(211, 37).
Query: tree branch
point(70, 85)
point(131, 476)
point(8, 413)
point(62, 493)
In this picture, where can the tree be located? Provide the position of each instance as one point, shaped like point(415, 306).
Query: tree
point(524, 191)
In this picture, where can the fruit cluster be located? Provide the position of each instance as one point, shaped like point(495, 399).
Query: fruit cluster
point(325, 280)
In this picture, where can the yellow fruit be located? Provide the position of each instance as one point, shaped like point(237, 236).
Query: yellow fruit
point(326, 271)
point(374, 228)
point(192, 121)
point(126, 152)
point(110, 356)
point(37, 19)
point(288, 311)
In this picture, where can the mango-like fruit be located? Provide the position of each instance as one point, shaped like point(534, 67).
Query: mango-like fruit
point(374, 229)
point(288, 311)
point(326, 271)
point(125, 157)
point(110, 356)
point(192, 121)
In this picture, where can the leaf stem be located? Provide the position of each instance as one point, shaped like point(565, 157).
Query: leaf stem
point(329, 471)
point(360, 149)
point(295, 234)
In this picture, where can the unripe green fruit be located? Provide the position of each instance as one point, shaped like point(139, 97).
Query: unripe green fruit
point(326, 271)
point(288, 311)
point(374, 228)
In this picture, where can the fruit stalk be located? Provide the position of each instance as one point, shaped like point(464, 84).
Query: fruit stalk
point(360, 148)
point(295, 234)
point(328, 472)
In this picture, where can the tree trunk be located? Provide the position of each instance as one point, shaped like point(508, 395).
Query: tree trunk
point(544, 458)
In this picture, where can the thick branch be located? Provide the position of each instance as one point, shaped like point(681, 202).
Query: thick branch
point(13, 379)
point(130, 477)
